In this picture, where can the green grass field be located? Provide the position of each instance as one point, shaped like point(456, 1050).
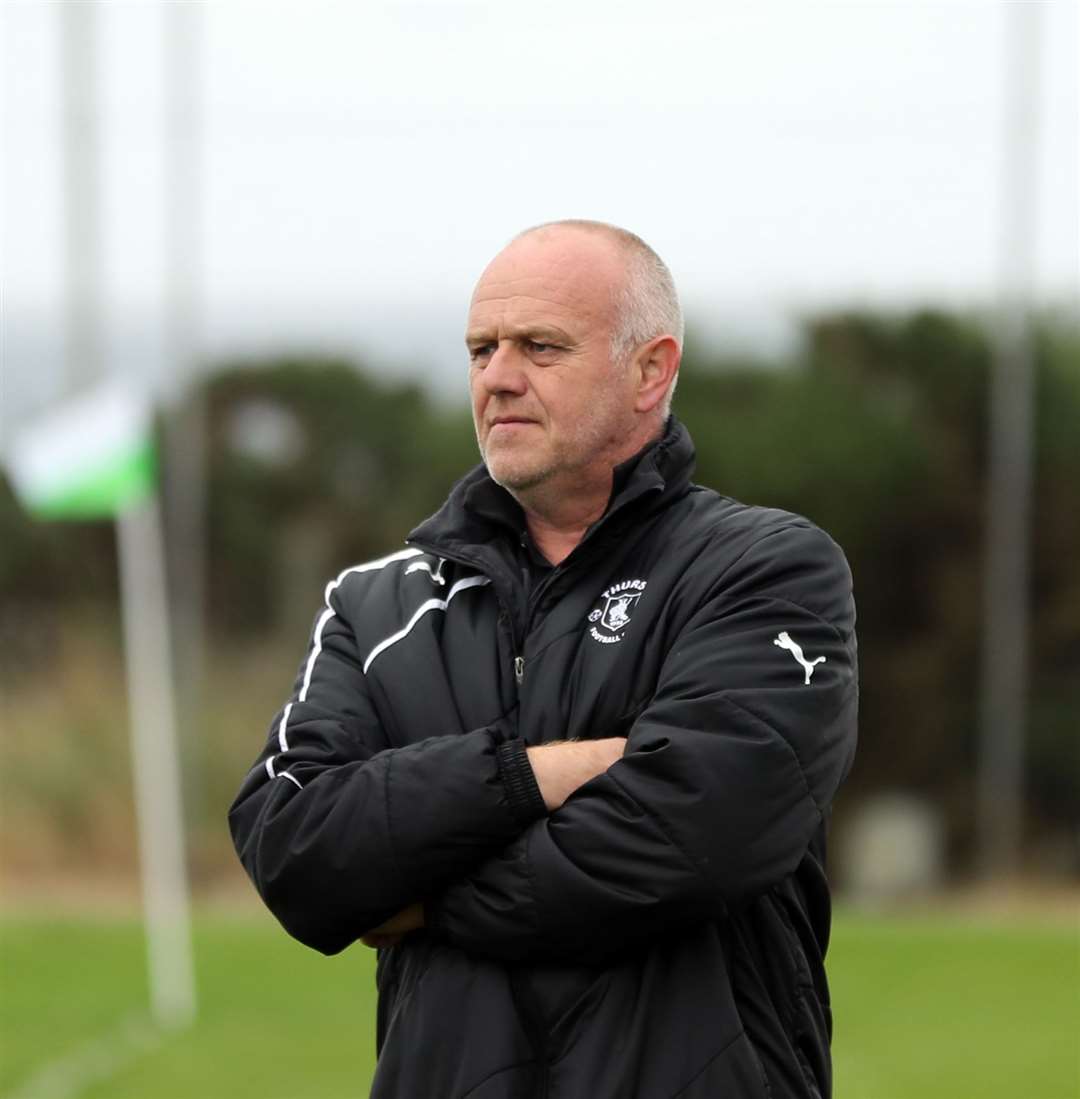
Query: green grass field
point(925, 1008)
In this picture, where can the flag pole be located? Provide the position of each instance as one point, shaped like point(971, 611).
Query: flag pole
point(93, 458)
point(156, 762)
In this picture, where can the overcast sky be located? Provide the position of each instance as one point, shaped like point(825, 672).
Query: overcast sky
point(360, 162)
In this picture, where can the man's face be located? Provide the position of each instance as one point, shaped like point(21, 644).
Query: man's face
point(549, 405)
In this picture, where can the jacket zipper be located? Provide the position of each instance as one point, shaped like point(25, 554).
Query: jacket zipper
point(534, 600)
point(530, 615)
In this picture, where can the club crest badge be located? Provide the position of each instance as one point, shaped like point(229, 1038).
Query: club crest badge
point(608, 620)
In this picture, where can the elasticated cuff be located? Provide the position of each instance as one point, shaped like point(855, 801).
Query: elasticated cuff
point(522, 789)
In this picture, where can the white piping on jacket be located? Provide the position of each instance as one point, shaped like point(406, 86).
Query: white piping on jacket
point(436, 574)
point(381, 563)
point(281, 774)
point(430, 605)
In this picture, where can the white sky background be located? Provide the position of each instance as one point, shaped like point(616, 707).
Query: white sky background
point(360, 163)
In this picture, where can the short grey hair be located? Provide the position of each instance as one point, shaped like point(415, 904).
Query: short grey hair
point(647, 304)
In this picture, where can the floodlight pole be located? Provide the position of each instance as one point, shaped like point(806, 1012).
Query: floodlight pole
point(184, 421)
point(1000, 786)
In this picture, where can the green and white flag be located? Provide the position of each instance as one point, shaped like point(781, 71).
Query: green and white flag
point(90, 458)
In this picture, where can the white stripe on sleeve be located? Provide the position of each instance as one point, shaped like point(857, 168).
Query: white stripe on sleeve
point(316, 648)
point(430, 605)
point(281, 774)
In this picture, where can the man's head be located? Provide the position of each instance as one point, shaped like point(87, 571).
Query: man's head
point(574, 338)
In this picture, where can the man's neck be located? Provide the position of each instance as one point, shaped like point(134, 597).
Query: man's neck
point(559, 516)
point(556, 529)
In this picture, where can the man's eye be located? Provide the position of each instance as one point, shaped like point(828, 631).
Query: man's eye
point(480, 351)
point(540, 348)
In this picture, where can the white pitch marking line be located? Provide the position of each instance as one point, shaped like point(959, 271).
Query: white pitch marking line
point(71, 1074)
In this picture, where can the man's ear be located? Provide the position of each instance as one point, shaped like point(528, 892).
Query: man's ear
point(655, 364)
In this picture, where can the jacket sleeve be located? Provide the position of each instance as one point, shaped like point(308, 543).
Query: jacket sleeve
point(339, 831)
point(728, 771)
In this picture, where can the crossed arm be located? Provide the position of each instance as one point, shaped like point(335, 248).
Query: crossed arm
point(714, 795)
point(560, 767)
point(725, 777)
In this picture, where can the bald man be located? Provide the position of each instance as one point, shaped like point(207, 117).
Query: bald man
point(566, 760)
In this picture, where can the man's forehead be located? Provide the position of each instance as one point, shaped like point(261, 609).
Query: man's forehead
point(554, 276)
point(557, 315)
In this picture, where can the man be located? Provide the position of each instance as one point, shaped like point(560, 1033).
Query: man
point(567, 760)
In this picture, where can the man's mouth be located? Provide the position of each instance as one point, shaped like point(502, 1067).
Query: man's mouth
point(510, 421)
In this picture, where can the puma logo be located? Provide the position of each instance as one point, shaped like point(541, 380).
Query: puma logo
point(784, 642)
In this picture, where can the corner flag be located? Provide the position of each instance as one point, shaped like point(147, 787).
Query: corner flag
point(92, 458)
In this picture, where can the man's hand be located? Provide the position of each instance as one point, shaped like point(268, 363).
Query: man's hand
point(563, 766)
point(390, 932)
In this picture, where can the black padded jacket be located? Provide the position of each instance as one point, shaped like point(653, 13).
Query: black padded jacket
point(662, 933)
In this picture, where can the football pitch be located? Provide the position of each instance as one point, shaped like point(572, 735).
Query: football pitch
point(926, 1007)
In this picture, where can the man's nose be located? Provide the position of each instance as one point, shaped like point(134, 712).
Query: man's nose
point(505, 372)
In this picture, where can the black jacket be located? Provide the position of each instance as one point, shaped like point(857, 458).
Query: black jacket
point(661, 934)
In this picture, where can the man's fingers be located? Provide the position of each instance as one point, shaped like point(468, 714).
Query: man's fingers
point(390, 931)
point(379, 940)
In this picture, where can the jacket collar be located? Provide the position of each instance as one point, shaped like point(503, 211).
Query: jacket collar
point(479, 514)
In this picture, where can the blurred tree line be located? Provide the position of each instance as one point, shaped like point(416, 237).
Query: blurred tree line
point(875, 429)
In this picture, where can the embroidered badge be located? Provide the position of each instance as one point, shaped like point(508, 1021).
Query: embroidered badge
point(610, 619)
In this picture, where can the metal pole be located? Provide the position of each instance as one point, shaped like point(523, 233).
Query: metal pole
point(156, 763)
point(1010, 475)
point(82, 198)
point(185, 419)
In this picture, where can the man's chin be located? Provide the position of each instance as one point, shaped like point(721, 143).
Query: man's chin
point(514, 476)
